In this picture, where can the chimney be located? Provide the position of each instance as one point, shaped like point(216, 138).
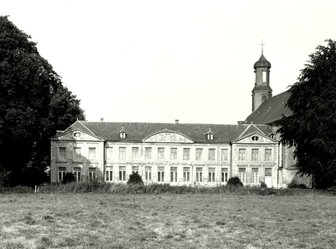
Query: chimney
point(177, 121)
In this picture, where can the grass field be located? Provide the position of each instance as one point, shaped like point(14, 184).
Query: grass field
point(167, 221)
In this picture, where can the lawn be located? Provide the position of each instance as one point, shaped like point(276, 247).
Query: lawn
point(95, 220)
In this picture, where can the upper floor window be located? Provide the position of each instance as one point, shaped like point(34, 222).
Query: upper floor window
point(62, 153)
point(160, 155)
point(92, 153)
point(186, 153)
point(109, 153)
point(77, 153)
point(242, 154)
point(148, 153)
point(211, 155)
point(209, 135)
point(173, 153)
point(199, 152)
point(122, 153)
point(255, 155)
point(224, 154)
point(268, 154)
point(135, 152)
point(122, 133)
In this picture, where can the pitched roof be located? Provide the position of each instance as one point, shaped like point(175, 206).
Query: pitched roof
point(136, 132)
point(270, 110)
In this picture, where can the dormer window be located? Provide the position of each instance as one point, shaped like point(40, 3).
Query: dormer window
point(209, 135)
point(122, 133)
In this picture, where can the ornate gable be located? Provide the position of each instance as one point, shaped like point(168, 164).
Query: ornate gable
point(167, 136)
point(76, 135)
point(255, 138)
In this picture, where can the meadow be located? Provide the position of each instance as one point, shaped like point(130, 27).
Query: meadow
point(191, 220)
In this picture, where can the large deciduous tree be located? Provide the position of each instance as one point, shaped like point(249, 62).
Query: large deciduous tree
point(33, 105)
point(312, 127)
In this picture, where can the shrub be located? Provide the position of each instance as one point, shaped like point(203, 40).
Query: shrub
point(234, 182)
point(263, 185)
point(135, 178)
point(68, 177)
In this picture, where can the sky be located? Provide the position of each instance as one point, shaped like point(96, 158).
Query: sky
point(158, 61)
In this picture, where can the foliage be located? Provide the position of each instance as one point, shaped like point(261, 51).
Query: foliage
point(33, 105)
point(311, 127)
point(135, 178)
point(68, 177)
point(235, 182)
point(263, 185)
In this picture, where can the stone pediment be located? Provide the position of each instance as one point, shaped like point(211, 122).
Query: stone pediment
point(255, 138)
point(167, 136)
point(76, 135)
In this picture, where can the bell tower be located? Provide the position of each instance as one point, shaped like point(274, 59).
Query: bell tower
point(262, 89)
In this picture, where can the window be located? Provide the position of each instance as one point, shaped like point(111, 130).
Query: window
point(255, 175)
point(211, 175)
point(241, 154)
point(92, 174)
point(122, 173)
point(242, 174)
point(61, 173)
point(109, 153)
point(173, 174)
point(264, 74)
point(135, 153)
point(224, 174)
point(160, 174)
point(109, 174)
point(160, 155)
point(92, 153)
point(135, 169)
point(186, 174)
point(186, 154)
point(77, 173)
point(268, 172)
point(122, 133)
point(209, 135)
point(224, 154)
point(255, 138)
point(199, 171)
point(148, 153)
point(255, 155)
point(173, 153)
point(122, 153)
point(268, 154)
point(199, 152)
point(211, 155)
point(148, 173)
point(62, 153)
point(77, 153)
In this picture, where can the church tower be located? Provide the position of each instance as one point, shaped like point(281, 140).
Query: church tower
point(262, 89)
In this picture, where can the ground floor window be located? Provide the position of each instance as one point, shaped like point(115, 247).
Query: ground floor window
point(148, 173)
point(186, 174)
point(255, 172)
point(92, 174)
point(199, 171)
point(109, 174)
point(242, 174)
point(224, 174)
point(211, 175)
point(173, 174)
point(122, 173)
point(61, 173)
point(160, 174)
point(77, 173)
point(135, 169)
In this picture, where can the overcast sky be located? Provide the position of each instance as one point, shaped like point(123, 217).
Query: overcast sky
point(157, 61)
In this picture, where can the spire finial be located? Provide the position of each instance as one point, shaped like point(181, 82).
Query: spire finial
point(262, 46)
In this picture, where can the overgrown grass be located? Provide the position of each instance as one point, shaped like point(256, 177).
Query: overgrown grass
point(191, 220)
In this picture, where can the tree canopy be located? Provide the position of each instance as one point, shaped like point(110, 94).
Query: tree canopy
point(33, 105)
point(312, 126)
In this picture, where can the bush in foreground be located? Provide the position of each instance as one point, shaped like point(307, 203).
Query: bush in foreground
point(234, 182)
point(135, 178)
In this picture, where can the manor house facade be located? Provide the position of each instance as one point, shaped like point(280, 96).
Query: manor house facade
point(174, 153)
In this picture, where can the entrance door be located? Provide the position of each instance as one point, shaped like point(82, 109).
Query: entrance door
point(268, 177)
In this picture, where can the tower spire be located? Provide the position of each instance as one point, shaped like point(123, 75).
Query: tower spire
point(262, 46)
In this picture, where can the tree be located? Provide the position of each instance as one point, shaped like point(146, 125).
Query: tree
point(33, 105)
point(312, 126)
